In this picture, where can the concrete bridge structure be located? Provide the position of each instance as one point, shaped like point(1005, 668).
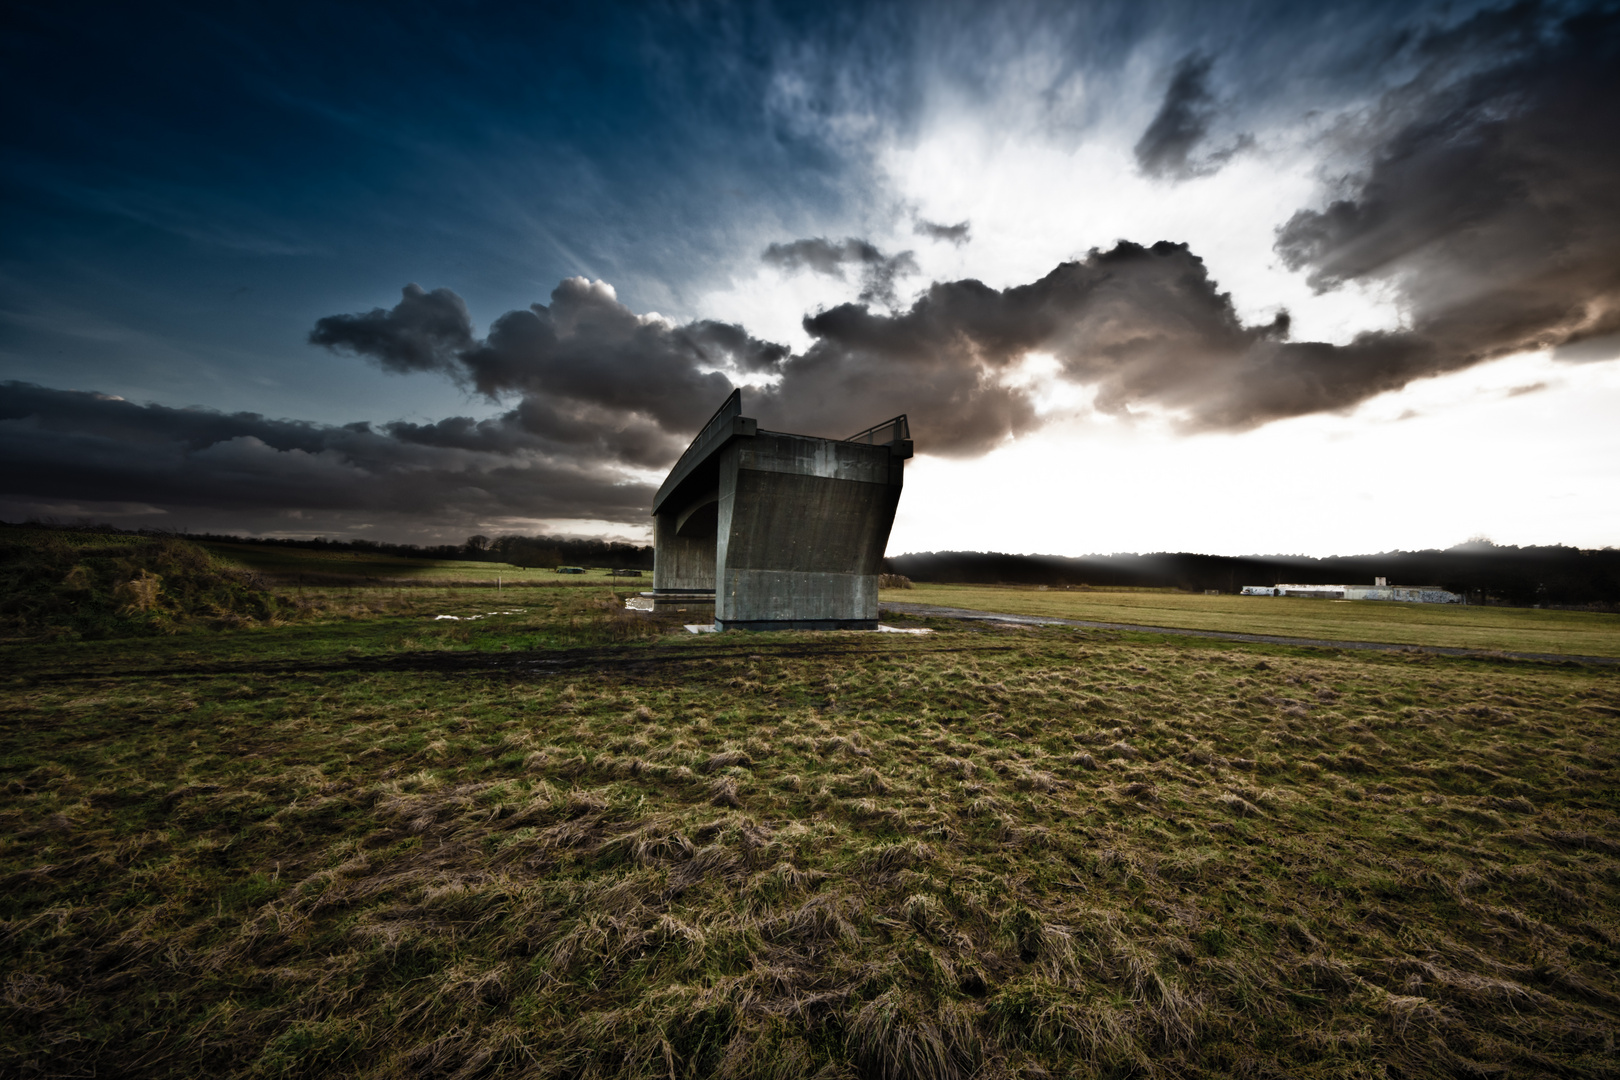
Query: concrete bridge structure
point(778, 531)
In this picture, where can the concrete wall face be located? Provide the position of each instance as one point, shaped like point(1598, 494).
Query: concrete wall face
point(801, 531)
point(681, 562)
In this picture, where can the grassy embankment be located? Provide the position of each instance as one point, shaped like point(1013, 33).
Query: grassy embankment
point(388, 845)
point(1570, 633)
point(79, 585)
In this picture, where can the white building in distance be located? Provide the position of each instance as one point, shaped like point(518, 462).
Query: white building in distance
point(1406, 594)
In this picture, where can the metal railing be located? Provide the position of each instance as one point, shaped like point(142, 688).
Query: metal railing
point(890, 431)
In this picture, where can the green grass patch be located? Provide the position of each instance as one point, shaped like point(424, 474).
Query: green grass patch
point(1570, 633)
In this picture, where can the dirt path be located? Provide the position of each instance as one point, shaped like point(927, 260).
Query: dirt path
point(933, 611)
point(620, 660)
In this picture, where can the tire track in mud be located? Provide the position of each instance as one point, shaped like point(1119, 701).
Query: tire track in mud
point(535, 663)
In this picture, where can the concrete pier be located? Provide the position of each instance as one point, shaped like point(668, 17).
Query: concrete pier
point(783, 531)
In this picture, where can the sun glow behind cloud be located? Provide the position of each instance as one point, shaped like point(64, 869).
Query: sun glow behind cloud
point(1319, 485)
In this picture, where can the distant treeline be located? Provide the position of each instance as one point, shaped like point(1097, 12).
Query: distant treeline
point(541, 551)
point(548, 552)
point(1485, 573)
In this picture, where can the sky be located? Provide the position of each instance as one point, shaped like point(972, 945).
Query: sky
point(1234, 278)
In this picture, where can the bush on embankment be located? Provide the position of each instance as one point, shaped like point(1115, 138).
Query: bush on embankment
point(58, 584)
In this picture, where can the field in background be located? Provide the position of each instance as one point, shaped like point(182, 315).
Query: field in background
point(296, 564)
point(1508, 629)
point(1570, 633)
point(568, 841)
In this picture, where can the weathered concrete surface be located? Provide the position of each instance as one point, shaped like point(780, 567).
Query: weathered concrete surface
point(681, 562)
point(802, 527)
point(788, 530)
point(684, 514)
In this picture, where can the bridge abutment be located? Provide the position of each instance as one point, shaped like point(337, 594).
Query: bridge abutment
point(788, 531)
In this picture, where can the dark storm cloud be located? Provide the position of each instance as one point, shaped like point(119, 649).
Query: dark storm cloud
point(84, 446)
point(536, 426)
point(587, 347)
point(1182, 123)
point(423, 332)
point(1145, 326)
point(878, 271)
point(598, 381)
point(1590, 350)
point(956, 234)
point(1490, 196)
point(595, 379)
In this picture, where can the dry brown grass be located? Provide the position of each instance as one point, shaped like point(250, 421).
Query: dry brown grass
point(811, 855)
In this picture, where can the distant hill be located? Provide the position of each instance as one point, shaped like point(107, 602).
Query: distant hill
point(1483, 572)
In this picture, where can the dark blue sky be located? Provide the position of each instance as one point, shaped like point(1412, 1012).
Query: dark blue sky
point(188, 190)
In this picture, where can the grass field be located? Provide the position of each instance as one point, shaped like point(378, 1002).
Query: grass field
point(295, 564)
point(1570, 633)
point(568, 841)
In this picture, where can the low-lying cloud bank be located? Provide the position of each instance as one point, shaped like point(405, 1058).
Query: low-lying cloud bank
point(1484, 190)
point(70, 453)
